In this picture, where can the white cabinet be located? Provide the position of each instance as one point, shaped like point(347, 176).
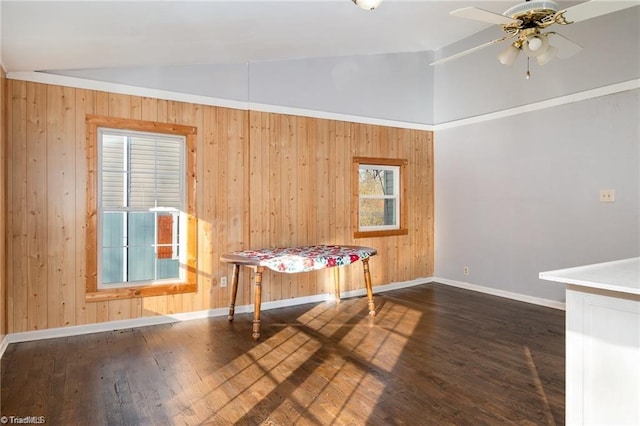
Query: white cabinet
point(603, 342)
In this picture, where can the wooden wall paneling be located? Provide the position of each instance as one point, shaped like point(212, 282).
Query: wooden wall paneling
point(246, 278)
point(194, 301)
point(288, 216)
point(340, 194)
point(102, 103)
point(60, 206)
point(428, 232)
point(17, 292)
point(272, 285)
point(183, 113)
point(120, 106)
point(207, 241)
point(135, 107)
point(237, 181)
point(263, 180)
point(222, 199)
point(301, 200)
point(259, 215)
point(323, 132)
point(84, 104)
point(192, 114)
point(37, 206)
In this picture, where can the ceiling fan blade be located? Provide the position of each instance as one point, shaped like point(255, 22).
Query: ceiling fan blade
point(482, 15)
point(468, 51)
point(594, 8)
point(565, 46)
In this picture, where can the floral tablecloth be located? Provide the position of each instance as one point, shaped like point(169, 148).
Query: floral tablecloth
point(307, 258)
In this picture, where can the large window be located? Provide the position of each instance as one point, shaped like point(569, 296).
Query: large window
point(380, 206)
point(141, 204)
point(141, 184)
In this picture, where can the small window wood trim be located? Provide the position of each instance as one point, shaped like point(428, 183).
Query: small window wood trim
point(93, 294)
point(402, 163)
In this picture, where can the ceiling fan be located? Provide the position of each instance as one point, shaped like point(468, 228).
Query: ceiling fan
point(524, 24)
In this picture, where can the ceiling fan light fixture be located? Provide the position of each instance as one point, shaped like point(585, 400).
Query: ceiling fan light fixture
point(509, 55)
point(535, 45)
point(367, 4)
point(547, 56)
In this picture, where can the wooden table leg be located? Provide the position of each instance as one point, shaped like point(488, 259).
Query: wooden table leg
point(234, 291)
point(256, 304)
point(367, 282)
point(336, 284)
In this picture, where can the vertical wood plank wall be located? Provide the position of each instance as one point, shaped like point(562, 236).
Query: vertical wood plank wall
point(298, 171)
point(3, 204)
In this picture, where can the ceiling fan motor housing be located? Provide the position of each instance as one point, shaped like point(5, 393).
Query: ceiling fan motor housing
point(532, 12)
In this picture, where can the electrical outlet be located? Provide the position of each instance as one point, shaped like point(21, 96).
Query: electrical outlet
point(466, 270)
point(607, 195)
point(223, 282)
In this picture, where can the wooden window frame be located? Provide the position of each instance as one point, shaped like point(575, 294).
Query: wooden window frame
point(402, 164)
point(189, 285)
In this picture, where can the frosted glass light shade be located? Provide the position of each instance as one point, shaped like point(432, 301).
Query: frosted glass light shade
point(547, 56)
point(509, 55)
point(367, 4)
point(535, 45)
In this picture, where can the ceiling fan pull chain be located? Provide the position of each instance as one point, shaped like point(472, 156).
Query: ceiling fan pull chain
point(528, 74)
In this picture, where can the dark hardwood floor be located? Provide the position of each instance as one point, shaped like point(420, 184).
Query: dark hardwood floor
point(433, 355)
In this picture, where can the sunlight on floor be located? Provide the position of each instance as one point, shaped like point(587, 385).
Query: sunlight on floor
point(539, 387)
point(329, 385)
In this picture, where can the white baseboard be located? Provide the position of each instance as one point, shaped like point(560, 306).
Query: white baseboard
point(77, 330)
point(502, 293)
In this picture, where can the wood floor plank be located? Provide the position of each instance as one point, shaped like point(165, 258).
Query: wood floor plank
point(433, 354)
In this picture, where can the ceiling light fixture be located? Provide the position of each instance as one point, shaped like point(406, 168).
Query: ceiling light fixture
point(535, 45)
point(509, 55)
point(367, 4)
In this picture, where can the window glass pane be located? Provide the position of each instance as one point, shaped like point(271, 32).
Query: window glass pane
point(113, 190)
point(141, 263)
point(141, 259)
point(113, 170)
point(377, 212)
point(169, 174)
point(377, 181)
point(155, 172)
point(141, 228)
point(168, 268)
point(139, 172)
point(112, 247)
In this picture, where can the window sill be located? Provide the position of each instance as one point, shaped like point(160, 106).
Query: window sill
point(142, 291)
point(373, 234)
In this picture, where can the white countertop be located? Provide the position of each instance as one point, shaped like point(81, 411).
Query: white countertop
point(620, 275)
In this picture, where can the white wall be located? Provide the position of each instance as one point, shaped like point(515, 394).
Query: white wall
point(519, 195)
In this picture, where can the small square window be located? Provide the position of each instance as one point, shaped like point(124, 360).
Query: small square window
point(379, 209)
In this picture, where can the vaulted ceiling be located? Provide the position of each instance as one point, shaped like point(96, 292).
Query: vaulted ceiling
point(59, 35)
